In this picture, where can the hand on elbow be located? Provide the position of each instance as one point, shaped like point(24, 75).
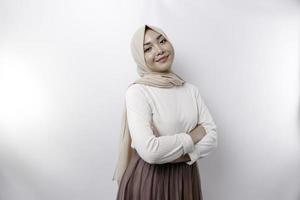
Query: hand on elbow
point(197, 133)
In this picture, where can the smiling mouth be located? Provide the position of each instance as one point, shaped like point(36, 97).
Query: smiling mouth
point(163, 59)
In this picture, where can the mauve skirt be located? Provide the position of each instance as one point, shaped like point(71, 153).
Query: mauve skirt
point(169, 181)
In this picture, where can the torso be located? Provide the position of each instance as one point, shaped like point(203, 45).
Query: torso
point(174, 109)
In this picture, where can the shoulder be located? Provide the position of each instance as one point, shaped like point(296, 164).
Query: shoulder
point(189, 85)
point(136, 99)
point(136, 92)
point(193, 88)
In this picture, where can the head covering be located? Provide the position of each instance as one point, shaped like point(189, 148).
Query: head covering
point(148, 77)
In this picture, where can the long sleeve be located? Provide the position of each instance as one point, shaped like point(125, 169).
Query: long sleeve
point(209, 142)
point(152, 149)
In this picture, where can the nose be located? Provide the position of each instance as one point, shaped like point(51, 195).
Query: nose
point(159, 49)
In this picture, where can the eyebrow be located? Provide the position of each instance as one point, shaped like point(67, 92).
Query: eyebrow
point(156, 38)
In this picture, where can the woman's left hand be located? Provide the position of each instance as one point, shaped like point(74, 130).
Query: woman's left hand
point(184, 158)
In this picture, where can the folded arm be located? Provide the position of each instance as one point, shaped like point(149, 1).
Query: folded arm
point(152, 149)
point(209, 142)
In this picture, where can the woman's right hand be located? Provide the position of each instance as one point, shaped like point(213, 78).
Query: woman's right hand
point(197, 133)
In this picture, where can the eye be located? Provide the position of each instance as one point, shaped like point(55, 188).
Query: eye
point(146, 50)
point(163, 41)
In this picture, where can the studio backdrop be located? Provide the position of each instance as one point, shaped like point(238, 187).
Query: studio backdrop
point(65, 66)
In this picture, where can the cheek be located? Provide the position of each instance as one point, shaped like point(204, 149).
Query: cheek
point(170, 49)
point(149, 58)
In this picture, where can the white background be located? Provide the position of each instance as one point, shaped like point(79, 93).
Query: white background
point(65, 66)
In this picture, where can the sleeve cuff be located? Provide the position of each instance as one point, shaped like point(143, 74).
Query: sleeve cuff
point(193, 157)
point(187, 142)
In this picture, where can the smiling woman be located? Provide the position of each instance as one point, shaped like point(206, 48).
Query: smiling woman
point(158, 51)
point(166, 127)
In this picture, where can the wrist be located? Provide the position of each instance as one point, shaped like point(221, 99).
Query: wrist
point(187, 157)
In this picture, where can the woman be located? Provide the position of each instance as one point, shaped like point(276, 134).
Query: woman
point(166, 127)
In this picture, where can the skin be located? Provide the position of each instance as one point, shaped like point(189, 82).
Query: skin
point(155, 47)
point(183, 158)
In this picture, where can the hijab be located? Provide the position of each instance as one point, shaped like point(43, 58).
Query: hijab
point(166, 79)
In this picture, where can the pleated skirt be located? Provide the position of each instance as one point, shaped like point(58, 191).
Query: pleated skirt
point(169, 181)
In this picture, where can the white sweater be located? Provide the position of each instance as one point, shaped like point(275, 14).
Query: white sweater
point(175, 113)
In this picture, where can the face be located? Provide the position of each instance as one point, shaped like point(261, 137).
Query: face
point(158, 51)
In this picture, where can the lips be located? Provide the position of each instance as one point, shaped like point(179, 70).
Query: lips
point(164, 58)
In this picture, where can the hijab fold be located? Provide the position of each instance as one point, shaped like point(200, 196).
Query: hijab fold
point(166, 79)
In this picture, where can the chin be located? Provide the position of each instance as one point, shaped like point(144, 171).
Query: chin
point(162, 65)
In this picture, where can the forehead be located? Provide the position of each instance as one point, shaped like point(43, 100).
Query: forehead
point(150, 36)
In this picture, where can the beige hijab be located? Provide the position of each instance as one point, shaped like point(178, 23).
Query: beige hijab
point(148, 77)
